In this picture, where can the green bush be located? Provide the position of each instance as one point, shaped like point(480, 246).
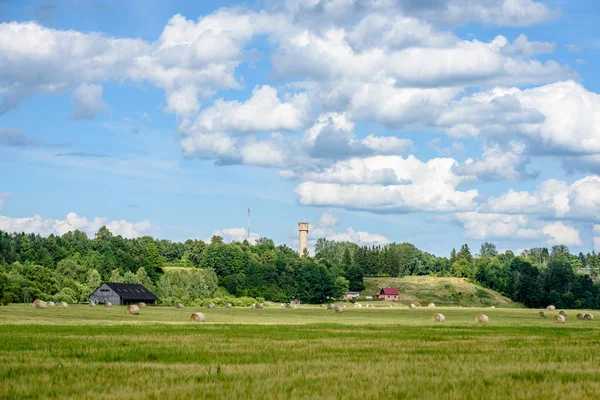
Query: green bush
point(234, 301)
point(67, 295)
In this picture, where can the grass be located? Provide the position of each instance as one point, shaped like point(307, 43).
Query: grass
point(308, 352)
point(455, 292)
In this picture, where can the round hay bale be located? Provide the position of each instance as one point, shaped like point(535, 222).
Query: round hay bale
point(260, 306)
point(357, 305)
point(550, 308)
point(289, 305)
point(92, 304)
point(412, 306)
point(431, 305)
point(543, 314)
point(198, 317)
point(580, 316)
point(50, 304)
point(345, 306)
point(282, 305)
point(438, 317)
point(493, 307)
point(482, 319)
point(37, 303)
point(133, 309)
point(142, 305)
point(62, 304)
point(330, 306)
point(338, 309)
point(211, 305)
point(253, 306)
point(558, 319)
point(179, 305)
point(588, 317)
point(228, 305)
point(108, 304)
point(563, 313)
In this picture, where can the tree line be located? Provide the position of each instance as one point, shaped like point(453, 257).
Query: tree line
point(69, 267)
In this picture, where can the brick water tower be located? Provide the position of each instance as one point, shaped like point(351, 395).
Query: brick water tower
point(303, 233)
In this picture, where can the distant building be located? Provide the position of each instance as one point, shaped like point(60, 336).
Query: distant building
point(351, 295)
point(122, 294)
point(388, 293)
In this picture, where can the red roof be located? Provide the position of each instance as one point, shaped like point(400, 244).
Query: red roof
point(390, 291)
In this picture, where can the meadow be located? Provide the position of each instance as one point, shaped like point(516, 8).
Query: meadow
point(307, 352)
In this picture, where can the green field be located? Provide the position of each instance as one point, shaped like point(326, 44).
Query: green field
point(449, 292)
point(307, 352)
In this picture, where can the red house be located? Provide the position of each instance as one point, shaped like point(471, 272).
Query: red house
point(388, 293)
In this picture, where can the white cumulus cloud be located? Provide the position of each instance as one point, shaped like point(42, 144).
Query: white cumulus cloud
point(88, 101)
point(47, 226)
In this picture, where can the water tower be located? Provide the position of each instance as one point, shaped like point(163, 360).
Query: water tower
point(303, 233)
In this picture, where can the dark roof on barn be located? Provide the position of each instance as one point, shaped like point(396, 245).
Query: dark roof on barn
point(390, 291)
point(131, 291)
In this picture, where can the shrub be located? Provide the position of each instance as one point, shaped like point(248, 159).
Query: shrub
point(234, 301)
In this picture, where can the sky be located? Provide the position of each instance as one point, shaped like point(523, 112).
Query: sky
point(434, 122)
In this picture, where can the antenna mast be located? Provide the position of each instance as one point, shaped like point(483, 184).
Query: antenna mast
point(248, 237)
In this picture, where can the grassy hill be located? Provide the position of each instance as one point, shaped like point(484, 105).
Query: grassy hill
point(440, 291)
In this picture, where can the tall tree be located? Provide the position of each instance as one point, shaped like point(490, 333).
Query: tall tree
point(354, 275)
point(488, 250)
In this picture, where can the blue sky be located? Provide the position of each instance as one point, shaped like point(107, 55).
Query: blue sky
point(439, 124)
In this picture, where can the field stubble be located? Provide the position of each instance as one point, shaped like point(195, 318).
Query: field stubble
point(308, 352)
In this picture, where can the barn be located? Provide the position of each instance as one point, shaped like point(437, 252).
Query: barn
point(388, 293)
point(122, 294)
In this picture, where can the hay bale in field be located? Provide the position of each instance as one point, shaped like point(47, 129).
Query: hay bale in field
point(338, 309)
point(142, 305)
point(260, 306)
point(50, 304)
point(558, 319)
point(580, 316)
point(290, 305)
point(253, 306)
point(563, 313)
point(357, 305)
point(493, 307)
point(92, 304)
point(133, 309)
point(62, 304)
point(330, 306)
point(412, 306)
point(482, 319)
point(550, 308)
point(211, 305)
point(282, 305)
point(322, 306)
point(438, 317)
point(543, 314)
point(198, 317)
point(108, 304)
point(179, 305)
point(37, 303)
point(431, 305)
point(588, 317)
point(228, 305)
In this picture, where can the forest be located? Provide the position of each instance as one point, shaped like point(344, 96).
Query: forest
point(69, 267)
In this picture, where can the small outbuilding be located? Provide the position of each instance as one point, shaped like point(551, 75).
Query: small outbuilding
point(122, 294)
point(351, 295)
point(387, 293)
